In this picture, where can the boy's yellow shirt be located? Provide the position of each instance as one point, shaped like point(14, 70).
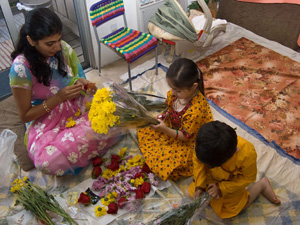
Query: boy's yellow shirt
point(233, 176)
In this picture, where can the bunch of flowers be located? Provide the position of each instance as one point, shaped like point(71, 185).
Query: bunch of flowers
point(115, 107)
point(34, 199)
point(182, 214)
point(123, 180)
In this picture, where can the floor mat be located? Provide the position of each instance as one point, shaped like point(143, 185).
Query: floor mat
point(258, 86)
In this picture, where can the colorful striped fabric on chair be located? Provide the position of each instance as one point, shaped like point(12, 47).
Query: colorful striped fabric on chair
point(130, 43)
point(105, 10)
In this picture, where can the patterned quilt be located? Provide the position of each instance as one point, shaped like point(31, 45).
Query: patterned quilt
point(259, 87)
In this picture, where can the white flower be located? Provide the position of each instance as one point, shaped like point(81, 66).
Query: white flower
point(54, 89)
point(93, 154)
point(50, 149)
point(55, 130)
point(101, 145)
point(68, 137)
point(32, 148)
point(73, 157)
point(38, 136)
point(45, 167)
point(20, 69)
point(69, 71)
point(59, 172)
point(82, 149)
point(45, 164)
point(39, 127)
point(20, 59)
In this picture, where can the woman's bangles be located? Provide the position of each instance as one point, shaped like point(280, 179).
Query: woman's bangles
point(46, 107)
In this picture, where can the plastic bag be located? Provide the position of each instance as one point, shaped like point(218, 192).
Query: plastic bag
point(7, 141)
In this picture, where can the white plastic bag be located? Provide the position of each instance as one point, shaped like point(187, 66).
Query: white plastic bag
point(7, 141)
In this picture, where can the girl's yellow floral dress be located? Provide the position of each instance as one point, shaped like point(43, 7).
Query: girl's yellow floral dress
point(169, 157)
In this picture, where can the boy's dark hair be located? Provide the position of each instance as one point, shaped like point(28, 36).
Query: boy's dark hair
point(216, 142)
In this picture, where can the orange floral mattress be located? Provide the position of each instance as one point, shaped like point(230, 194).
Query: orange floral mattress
point(259, 87)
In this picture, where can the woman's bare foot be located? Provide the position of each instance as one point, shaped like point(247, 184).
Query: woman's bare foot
point(268, 191)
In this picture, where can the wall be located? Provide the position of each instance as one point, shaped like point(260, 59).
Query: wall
point(108, 56)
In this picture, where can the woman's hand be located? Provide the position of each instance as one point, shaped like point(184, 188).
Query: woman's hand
point(214, 191)
point(69, 92)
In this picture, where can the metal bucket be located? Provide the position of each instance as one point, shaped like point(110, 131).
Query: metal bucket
point(27, 5)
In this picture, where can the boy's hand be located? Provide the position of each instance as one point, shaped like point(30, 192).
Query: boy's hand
point(197, 193)
point(214, 191)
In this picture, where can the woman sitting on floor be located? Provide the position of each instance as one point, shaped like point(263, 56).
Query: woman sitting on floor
point(49, 88)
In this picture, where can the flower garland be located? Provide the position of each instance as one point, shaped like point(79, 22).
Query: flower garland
point(123, 180)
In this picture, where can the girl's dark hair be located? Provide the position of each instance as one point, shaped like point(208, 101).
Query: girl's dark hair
point(183, 73)
point(39, 24)
point(216, 142)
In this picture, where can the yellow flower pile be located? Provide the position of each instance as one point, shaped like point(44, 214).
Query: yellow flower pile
point(102, 110)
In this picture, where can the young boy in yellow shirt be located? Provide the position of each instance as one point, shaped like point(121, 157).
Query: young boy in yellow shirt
point(224, 165)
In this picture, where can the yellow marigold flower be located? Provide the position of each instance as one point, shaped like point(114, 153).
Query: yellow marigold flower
point(115, 194)
point(101, 112)
point(70, 123)
point(100, 211)
point(70, 119)
point(25, 178)
point(105, 201)
point(122, 152)
point(77, 113)
point(138, 182)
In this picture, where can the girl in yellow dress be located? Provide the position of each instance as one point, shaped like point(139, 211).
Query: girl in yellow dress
point(224, 165)
point(168, 147)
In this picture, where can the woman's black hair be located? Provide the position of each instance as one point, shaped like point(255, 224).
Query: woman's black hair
point(183, 73)
point(216, 142)
point(39, 24)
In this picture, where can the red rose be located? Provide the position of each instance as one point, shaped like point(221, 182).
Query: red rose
point(139, 193)
point(146, 168)
point(115, 158)
point(121, 202)
point(138, 175)
point(97, 161)
point(96, 172)
point(146, 187)
point(113, 166)
point(84, 199)
point(112, 208)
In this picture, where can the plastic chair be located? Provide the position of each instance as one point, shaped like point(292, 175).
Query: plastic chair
point(128, 43)
point(172, 25)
